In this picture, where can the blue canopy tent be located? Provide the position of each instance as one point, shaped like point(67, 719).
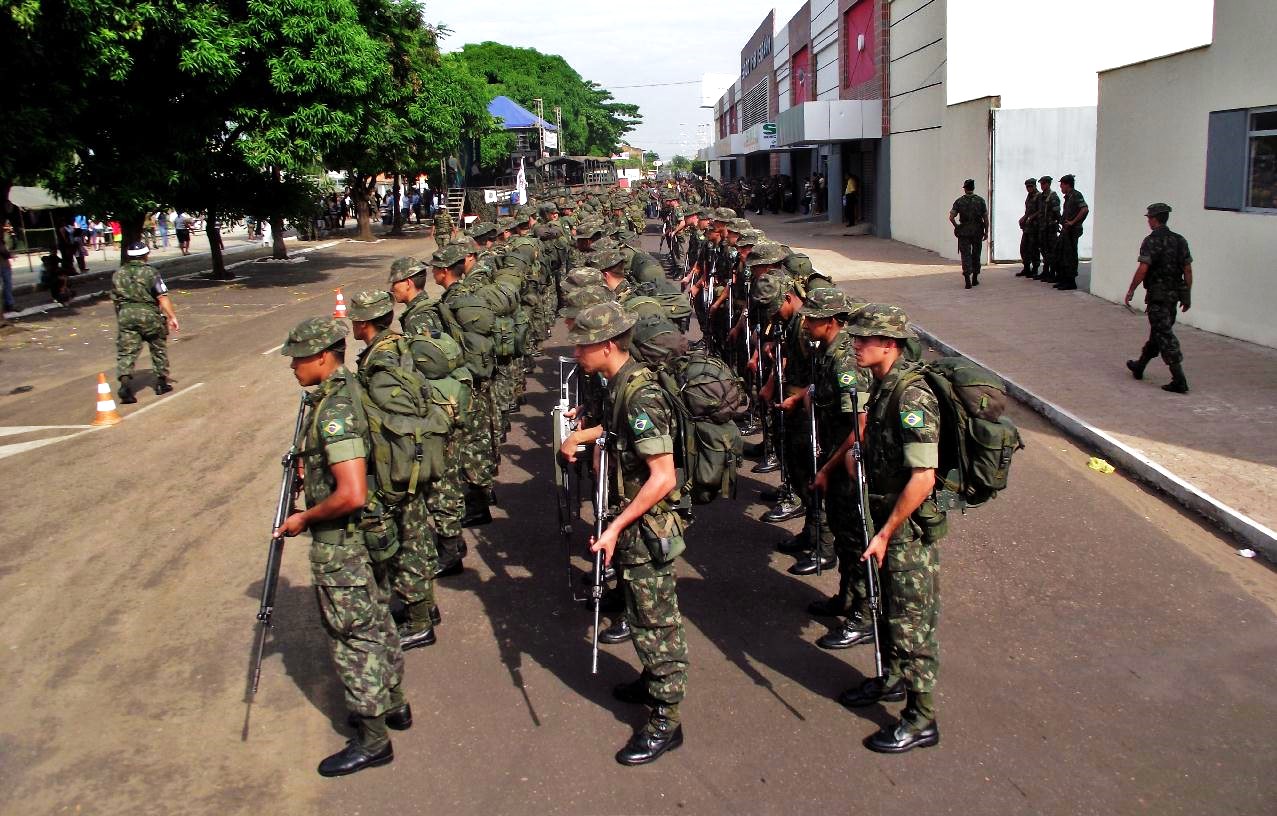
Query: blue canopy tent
point(514, 116)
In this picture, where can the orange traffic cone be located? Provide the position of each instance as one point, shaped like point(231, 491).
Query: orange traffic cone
point(339, 311)
point(106, 414)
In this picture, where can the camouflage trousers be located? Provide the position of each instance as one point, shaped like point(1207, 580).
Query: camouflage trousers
point(549, 307)
point(508, 373)
point(411, 569)
point(135, 327)
point(969, 248)
point(844, 521)
point(678, 254)
point(478, 466)
point(1161, 333)
point(538, 323)
point(446, 502)
point(364, 644)
point(1029, 249)
point(797, 453)
point(911, 608)
point(651, 608)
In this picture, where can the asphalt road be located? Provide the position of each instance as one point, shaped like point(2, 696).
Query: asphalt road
point(1101, 652)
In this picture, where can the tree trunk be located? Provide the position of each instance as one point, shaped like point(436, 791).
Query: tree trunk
point(363, 219)
point(130, 232)
point(215, 246)
point(280, 252)
point(396, 215)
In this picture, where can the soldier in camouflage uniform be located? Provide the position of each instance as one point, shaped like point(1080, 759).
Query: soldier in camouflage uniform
point(1072, 215)
point(349, 577)
point(1166, 271)
point(972, 230)
point(1029, 231)
point(1048, 229)
point(143, 314)
point(840, 391)
point(444, 229)
point(645, 535)
point(674, 225)
point(447, 503)
point(412, 568)
point(902, 451)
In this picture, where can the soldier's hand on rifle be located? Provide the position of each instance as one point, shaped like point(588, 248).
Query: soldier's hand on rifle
point(765, 393)
point(877, 548)
point(607, 544)
point(568, 449)
point(790, 403)
point(294, 524)
point(821, 482)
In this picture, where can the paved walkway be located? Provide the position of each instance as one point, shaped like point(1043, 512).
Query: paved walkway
point(1069, 348)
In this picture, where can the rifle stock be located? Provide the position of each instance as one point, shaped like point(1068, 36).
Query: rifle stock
point(872, 587)
point(601, 500)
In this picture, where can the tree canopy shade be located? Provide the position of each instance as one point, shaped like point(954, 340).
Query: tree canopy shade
point(593, 121)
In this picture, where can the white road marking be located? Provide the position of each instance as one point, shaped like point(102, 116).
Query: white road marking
point(21, 429)
point(22, 447)
point(272, 350)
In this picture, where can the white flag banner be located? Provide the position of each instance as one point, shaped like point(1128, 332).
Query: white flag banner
point(521, 184)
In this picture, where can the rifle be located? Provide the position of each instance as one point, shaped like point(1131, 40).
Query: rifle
point(275, 553)
point(561, 429)
point(601, 499)
point(813, 512)
point(871, 566)
point(786, 489)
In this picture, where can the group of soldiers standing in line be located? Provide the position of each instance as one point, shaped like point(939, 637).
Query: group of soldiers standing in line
point(814, 349)
point(1051, 228)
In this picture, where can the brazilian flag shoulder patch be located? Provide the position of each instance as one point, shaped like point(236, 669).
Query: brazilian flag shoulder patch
point(641, 423)
point(913, 419)
point(333, 428)
point(846, 378)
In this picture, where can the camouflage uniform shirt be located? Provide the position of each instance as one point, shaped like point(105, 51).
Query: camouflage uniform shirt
point(973, 215)
point(1166, 254)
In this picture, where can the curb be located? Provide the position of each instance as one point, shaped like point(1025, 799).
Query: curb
point(1230, 520)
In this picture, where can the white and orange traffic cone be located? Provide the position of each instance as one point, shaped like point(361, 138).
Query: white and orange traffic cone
point(339, 310)
point(106, 413)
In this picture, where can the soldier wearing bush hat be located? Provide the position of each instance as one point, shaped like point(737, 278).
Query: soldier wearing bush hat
point(408, 286)
point(364, 644)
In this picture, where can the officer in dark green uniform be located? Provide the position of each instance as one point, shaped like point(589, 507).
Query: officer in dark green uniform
point(1029, 231)
point(143, 314)
point(349, 575)
point(645, 535)
point(1166, 270)
point(1073, 213)
point(413, 566)
point(902, 451)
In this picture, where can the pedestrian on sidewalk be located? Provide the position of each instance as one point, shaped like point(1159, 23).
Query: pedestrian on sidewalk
point(1029, 231)
point(1048, 229)
point(850, 199)
point(1166, 270)
point(143, 314)
point(972, 230)
point(6, 273)
point(148, 231)
point(1074, 213)
point(183, 224)
point(161, 223)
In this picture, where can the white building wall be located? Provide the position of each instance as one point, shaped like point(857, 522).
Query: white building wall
point(1034, 142)
point(824, 47)
point(780, 61)
point(1151, 146)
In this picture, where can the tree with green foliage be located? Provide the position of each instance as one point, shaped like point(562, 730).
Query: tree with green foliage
point(681, 164)
point(593, 121)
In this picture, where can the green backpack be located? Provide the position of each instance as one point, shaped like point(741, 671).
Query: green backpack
point(504, 304)
point(470, 324)
point(407, 431)
point(655, 340)
point(439, 360)
point(976, 440)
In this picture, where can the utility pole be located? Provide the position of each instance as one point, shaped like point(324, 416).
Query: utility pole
point(539, 104)
point(558, 128)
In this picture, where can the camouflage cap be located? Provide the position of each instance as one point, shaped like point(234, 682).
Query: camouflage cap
point(599, 322)
point(879, 320)
point(312, 336)
point(738, 224)
point(749, 237)
point(504, 224)
point(765, 252)
point(370, 304)
point(582, 276)
point(1158, 209)
point(706, 213)
point(770, 289)
point(724, 214)
point(606, 259)
point(482, 229)
point(577, 299)
point(547, 207)
point(448, 255)
point(826, 302)
point(404, 268)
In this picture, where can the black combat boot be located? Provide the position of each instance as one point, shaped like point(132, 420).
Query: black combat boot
point(903, 736)
point(1136, 367)
point(855, 631)
point(966, 278)
point(125, 393)
point(371, 748)
point(618, 632)
point(397, 719)
point(662, 733)
point(1178, 383)
point(975, 278)
point(162, 385)
point(769, 464)
point(478, 512)
point(808, 565)
point(418, 629)
point(789, 508)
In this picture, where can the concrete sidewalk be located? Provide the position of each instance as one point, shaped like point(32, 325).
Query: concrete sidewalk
point(1213, 449)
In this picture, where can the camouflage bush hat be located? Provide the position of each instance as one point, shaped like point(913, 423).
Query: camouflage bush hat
point(724, 214)
point(467, 243)
point(825, 302)
point(705, 213)
point(370, 304)
point(738, 224)
point(578, 299)
point(765, 252)
point(749, 237)
point(606, 242)
point(547, 232)
point(547, 207)
point(312, 336)
point(404, 268)
point(606, 259)
point(599, 322)
point(448, 255)
point(770, 290)
point(1158, 209)
point(590, 230)
point(482, 229)
point(504, 224)
point(880, 320)
point(581, 277)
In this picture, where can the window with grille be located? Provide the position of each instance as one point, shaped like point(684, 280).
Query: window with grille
point(754, 105)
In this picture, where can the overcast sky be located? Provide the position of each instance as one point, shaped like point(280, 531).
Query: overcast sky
point(1035, 53)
